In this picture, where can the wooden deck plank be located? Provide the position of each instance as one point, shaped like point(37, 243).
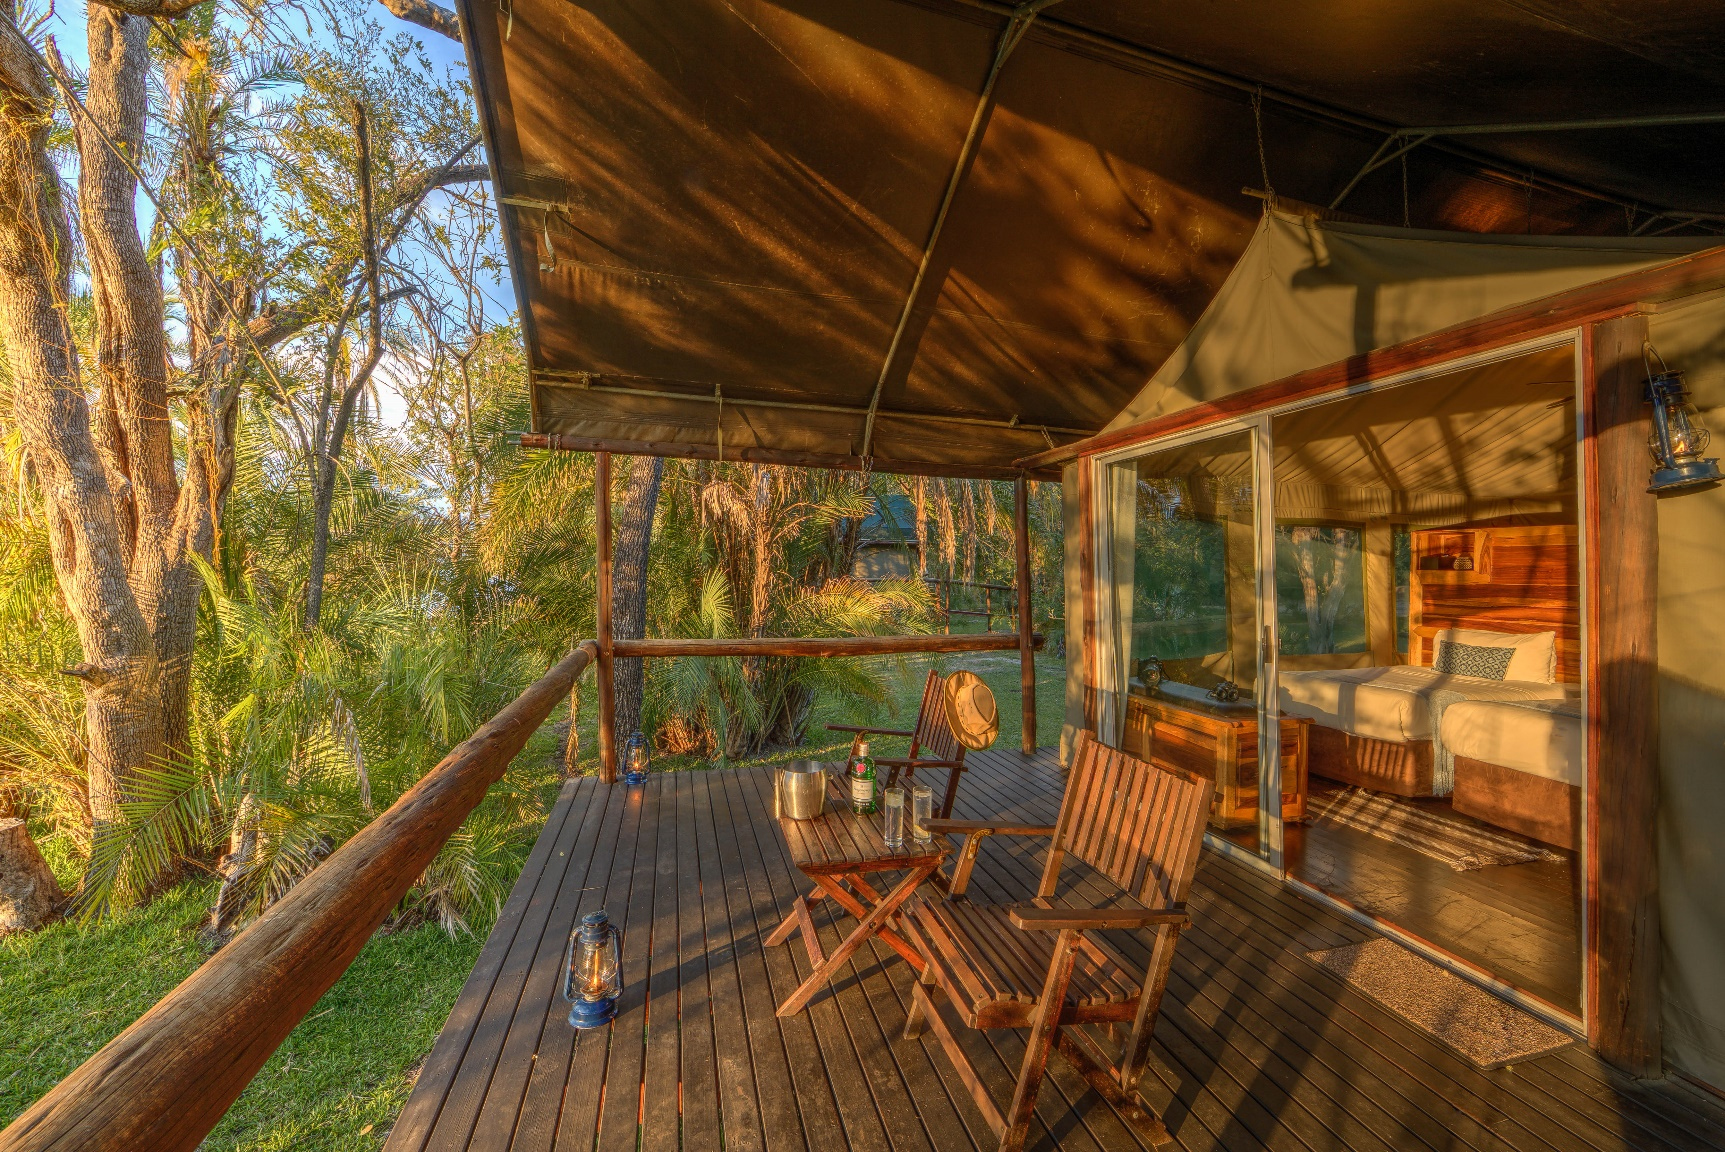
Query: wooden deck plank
point(775, 1093)
point(574, 1088)
point(501, 1113)
point(461, 1107)
point(739, 1104)
point(661, 1106)
point(620, 1114)
point(699, 1122)
point(1258, 1049)
point(413, 1126)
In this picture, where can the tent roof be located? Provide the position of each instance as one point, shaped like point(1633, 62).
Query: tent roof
point(717, 209)
point(1308, 293)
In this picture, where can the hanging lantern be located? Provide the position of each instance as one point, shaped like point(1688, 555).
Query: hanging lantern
point(636, 762)
point(592, 978)
point(1678, 437)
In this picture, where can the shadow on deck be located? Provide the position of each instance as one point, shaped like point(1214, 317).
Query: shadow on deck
point(1256, 1048)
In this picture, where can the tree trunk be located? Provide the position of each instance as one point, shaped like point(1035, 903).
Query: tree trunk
point(29, 895)
point(119, 671)
point(629, 587)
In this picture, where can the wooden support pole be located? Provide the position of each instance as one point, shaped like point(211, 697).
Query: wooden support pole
point(1623, 736)
point(602, 613)
point(1026, 649)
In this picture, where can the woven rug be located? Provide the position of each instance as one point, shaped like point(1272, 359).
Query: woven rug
point(1464, 846)
point(1479, 1027)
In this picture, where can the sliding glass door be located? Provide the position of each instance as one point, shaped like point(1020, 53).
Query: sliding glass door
point(1189, 631)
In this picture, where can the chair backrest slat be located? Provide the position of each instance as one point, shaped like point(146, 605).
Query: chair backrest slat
point(1140, 823)
point(934, 739)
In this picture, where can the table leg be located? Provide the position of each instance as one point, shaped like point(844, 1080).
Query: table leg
point(850, 903)
point(873, 924)
point(792, 922)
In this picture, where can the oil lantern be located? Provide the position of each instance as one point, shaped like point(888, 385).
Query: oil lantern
point(635, 760)
point(1678, 437)
point(592, 978)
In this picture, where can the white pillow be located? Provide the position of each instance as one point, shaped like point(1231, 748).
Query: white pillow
point(1535, 659)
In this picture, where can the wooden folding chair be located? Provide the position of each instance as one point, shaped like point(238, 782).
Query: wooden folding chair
point(1044, 967)
point(932, 744)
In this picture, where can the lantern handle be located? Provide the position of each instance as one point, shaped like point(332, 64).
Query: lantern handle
point(1647, 348)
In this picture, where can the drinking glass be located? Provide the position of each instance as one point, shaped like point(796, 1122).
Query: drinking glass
point(921, 810)
point(892, 800)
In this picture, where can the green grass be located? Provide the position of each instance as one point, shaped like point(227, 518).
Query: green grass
point(341, 1077)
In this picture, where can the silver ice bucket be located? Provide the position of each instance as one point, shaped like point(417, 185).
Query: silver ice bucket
point(800, 790)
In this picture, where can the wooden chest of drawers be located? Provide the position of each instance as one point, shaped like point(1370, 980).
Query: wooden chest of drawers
point(1180, 725)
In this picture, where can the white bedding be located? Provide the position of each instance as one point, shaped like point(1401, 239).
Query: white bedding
point(1390, 703)
point(1539, 738)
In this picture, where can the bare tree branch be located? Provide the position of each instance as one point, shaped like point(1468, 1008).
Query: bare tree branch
point(430, 16)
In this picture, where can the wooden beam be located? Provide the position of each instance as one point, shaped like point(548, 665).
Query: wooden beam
point(1623, 736)
point(602, 613)
point(163, 1083)
point(1026, 645)
point(824, 646)
point(1698, 272)
point(557, 441)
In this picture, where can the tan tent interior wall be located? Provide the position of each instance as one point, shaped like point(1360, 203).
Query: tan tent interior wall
point(1692, 718)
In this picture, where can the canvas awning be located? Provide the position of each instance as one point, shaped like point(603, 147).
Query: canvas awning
point(716, 210)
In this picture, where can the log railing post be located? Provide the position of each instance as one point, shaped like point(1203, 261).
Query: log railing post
point(1026, 645)
point(602, 615)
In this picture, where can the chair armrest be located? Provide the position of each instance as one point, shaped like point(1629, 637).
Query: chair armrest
point(870, 731)
point(987, 828)
point(974, 833)
point(1032, 918)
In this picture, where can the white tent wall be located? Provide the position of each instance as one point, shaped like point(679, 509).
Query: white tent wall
point(1692, 718)
point(1307, 293)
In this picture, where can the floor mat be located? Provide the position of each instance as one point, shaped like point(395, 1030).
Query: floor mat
point(1463, 846)
point(1478, 1026)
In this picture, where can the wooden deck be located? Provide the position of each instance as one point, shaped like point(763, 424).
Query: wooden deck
point(1257, 1048)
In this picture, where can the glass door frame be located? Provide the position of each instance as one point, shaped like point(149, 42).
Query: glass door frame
point(1110, 719)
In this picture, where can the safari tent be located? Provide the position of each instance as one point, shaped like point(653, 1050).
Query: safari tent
point(1379, 442)
point(1334, 322)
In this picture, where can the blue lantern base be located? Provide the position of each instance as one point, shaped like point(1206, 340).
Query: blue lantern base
point(1689, 474)
point(634, 778)
point(592, 1013)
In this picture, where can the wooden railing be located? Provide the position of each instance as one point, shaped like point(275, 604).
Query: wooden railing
point(163, 1083)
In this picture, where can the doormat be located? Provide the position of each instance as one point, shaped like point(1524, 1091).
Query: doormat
point(1479, 1027)
point(1463, 846)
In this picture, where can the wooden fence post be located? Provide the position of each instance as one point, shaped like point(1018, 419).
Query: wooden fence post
point(602, 613)
point(1026, 648)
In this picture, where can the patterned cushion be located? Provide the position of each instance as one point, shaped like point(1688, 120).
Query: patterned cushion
point(1481, 663)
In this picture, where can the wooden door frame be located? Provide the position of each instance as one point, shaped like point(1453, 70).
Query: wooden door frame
point(1619, 531)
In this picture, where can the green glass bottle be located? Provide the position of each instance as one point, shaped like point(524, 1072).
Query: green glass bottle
point(864, 792)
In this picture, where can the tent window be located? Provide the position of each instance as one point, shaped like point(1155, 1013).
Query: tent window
point(1320, 589)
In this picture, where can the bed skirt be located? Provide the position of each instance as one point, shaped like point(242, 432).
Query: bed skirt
point(1547, 810)
point(1403, 769)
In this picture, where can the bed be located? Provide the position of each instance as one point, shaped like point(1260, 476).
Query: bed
point(1374, 727)
point(1520, 765)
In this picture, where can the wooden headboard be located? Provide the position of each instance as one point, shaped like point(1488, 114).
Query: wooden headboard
point(1521, 579)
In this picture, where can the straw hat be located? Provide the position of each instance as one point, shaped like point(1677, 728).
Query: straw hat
point(970, 710)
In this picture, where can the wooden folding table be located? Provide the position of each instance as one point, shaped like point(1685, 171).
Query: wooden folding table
point(837, 850)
